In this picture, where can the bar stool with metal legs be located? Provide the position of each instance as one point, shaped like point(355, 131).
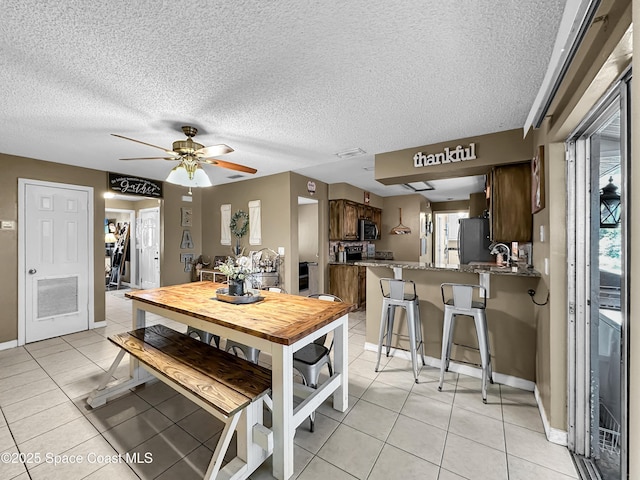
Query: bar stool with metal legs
point(401, 293)
point(458, 299)
point(203, 336)
point(250, 353)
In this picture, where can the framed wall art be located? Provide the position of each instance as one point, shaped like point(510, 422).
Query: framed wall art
point(537, 181)
point(185, 218)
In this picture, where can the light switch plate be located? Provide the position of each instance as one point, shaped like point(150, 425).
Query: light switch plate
point(541, 233)
point(546, 266)
point(7, 225)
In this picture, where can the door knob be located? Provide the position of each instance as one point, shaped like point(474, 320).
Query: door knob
point(32, 271)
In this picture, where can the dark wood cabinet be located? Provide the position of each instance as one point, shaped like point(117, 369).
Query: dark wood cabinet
point(344, 216)
point(349, 282)
point(510, 201)
point(343, 220)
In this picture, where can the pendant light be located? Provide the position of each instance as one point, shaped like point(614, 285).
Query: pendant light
point(400, 229)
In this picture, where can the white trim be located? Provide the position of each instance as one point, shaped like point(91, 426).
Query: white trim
point(22, 183)
point(8, 345)
point(99, 324)
point(501, 378)
point(554, 435)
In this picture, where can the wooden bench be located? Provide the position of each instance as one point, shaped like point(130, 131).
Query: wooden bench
point(223, 384)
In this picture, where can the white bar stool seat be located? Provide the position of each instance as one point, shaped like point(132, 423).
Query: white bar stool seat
point(401, 293)
point(458, 299)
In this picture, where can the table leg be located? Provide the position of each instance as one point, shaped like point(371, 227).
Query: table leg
point(138, 321)
point(341, 361)
point(283, 428)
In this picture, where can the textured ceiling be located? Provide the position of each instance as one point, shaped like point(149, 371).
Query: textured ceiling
point(287, 84)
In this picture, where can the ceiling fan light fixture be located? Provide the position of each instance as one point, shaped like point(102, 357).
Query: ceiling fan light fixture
point(188, 177)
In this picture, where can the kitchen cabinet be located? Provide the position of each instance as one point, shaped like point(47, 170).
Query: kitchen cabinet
point(510, 203)
point(344, 215)
point(349, 282)
point(343, 220)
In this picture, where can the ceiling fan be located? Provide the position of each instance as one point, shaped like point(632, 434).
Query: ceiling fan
point(191, 155)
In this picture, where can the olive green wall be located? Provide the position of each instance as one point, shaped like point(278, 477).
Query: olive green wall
point(404, 247)
point(278, 195)
point(13, 168)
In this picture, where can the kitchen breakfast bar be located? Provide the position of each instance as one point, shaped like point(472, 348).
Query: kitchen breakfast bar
point(510, 311)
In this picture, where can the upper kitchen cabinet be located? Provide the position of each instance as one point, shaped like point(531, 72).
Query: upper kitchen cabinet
point(344, 215)
point(510, 201)
point(343, 220)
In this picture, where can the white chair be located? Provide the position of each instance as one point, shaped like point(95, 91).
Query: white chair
point(310, 359)
point(401, 293)
point(470, 300)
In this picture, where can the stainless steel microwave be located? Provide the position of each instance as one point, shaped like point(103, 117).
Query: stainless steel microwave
point(368, 230)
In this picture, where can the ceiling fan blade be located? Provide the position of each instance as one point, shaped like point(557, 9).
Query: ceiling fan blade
point(150, 158)
point(168, 152)
point(229, 165)
point(213, 150)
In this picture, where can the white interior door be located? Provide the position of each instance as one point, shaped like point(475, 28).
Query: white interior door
point(149, 238)
point(56, 261)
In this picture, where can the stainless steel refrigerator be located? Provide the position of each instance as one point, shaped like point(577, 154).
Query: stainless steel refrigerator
point(473, 240)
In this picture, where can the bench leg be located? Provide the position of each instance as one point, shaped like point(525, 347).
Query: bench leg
point(221, 447)
point(99, 396)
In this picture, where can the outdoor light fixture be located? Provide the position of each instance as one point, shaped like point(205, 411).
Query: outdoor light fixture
point(609, 206)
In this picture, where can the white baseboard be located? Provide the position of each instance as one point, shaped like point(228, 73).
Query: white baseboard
point(8, 345)
point(554, 435)
point(476, 372)
point(98, 324)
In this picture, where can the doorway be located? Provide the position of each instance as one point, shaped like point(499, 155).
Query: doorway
point(55, 260)
point(308, 246)
point(447, 226)
point(598, 286)
point(148, 243)
point(120, 270)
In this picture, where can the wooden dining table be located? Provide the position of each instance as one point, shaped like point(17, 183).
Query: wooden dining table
point(279, 325)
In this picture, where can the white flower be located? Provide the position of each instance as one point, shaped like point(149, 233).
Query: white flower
point(238, 269)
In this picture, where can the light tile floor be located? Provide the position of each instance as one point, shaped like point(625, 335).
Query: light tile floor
point(394, 428)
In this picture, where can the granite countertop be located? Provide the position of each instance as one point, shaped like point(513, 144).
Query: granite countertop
point(519, 270)
point(349, 262)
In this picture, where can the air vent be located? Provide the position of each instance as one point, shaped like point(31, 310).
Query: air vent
point(233, 177)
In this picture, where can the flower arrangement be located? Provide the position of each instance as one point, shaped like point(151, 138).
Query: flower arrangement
point(239, 268)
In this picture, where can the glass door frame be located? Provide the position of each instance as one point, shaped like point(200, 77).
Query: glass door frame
point(579, 254)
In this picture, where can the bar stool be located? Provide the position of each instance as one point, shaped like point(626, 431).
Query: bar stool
point(401, 293)
point(203, 336)
point(460, 301)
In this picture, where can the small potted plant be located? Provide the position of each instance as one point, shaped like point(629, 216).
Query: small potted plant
point(237, 270)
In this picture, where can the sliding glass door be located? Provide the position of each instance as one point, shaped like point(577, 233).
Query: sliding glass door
point(598, 278)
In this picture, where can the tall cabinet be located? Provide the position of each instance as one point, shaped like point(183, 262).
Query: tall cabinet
point(510, 203)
